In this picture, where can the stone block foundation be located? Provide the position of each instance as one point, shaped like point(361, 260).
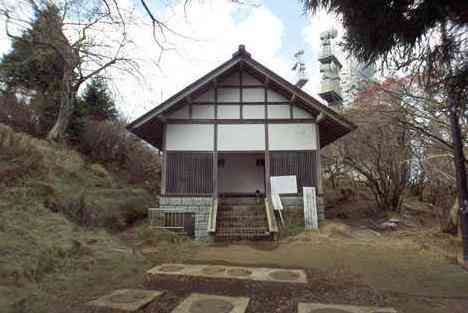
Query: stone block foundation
point(200, 206)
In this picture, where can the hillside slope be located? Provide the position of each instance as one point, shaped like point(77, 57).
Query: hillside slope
point(55, 213)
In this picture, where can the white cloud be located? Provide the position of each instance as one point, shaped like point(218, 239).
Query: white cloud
point(215, 29)
point(215, 34)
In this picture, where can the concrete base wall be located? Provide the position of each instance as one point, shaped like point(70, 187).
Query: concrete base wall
point(294, 209)
point(200, 206)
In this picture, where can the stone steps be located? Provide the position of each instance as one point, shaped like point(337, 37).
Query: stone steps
point(241, 222)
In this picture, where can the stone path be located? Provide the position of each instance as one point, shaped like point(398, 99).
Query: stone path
point(126, 299)
point(202, 303)
point(132, 300)
point(336, 308)
point(232, 272)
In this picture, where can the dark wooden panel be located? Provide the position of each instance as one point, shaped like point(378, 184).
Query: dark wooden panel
point(189, 172)
point(303, 164)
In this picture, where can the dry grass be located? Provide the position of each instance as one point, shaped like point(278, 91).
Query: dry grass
point(53, 250)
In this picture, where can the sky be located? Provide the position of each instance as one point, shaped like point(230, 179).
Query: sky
point(204, 35)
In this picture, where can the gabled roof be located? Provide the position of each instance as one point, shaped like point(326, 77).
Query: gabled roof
point(332, 125)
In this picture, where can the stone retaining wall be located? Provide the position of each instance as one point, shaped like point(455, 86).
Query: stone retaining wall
point(200, 206)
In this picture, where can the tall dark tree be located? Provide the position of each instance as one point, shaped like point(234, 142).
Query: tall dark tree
point(36, 72)
point(426, 37)
point(97, 102)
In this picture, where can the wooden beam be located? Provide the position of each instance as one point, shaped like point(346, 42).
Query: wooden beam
point(163, 161)
point(189, 103)
point(244, 121)
point(318, 162)
point(267, 141)
point(291, 106)
point(215, 146)
point(320, 117)
point(241, 113)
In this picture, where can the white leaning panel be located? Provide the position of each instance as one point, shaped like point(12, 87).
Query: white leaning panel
point(241, 137)
point(300, 136)
point(189, 137)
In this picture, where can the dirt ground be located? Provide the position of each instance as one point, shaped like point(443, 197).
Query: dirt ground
point(394, 268)
point(411, 270)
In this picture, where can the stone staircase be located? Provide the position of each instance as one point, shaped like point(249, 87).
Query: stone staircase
point(241, 219)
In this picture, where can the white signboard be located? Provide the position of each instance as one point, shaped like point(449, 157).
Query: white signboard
point(283, 184)
point(310, 208)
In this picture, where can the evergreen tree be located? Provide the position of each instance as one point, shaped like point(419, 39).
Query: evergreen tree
point(36, 70)
point(97, 103)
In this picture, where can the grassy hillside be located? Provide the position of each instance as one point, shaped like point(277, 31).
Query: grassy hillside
point(57, 213)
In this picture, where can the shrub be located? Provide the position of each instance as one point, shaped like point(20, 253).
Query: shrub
point(18, 155)
point(110, 143)
point(151, 236)
point(18, 115)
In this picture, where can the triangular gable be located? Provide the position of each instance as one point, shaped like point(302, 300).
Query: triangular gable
point(200, 91)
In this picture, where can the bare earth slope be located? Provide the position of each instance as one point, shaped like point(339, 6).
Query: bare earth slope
point(54, 209)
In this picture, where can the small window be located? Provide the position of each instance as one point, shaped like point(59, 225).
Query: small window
point(221, 162)
point(261, 162)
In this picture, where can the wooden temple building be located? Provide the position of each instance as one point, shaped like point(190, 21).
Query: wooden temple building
point(223, 137)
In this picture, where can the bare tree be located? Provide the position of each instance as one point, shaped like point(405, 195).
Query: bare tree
point(377, 152)
point(72, 34)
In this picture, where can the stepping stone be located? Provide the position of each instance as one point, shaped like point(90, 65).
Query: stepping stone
point(126, 299)
point(203, 303)
point(231, 272)
point(336, 308)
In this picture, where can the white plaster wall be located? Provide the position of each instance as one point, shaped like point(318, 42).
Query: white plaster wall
point(240, 173)
point(229, 111)
point(241, 137)
point(279, 111)
point(189, 137)
point(203, 111)
point(208, 96)
point(300, 113)
point(300, 136)
point(273, 96)
point(253, 95)
point(253, 111)
point(228, 94)
point(182, 113)
point(249, 80)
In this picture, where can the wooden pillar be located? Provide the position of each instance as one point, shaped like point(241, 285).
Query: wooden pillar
point(319, 190)
point(241, 90)
point(267, 143)
point(163, 160)
point(291, 106)
point(215, 143)
point(318, 165)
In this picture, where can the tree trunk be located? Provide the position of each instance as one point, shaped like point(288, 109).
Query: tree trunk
point(57, 133)
point(457, 140)
point(460, 170)
point(71, 59)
